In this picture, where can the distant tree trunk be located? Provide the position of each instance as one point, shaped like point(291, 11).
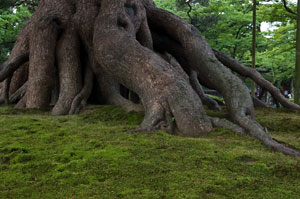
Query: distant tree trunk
point(297, 73)
point(253, 52)
point(125, 42)
point(297, 66)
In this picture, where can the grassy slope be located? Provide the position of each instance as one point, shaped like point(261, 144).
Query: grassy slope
point(90, 156)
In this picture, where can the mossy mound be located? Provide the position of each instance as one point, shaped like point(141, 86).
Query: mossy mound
point(91, 156)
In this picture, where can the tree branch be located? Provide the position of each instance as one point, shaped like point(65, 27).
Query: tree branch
point(189, 11)
point(287, 8)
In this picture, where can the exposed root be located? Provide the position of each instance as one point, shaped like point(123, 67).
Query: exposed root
point(193, 79)
point(256, 76)
point(259, 103)
point(255, 130)
point(211, 104)
point(110, 91)
point(158, 116)
point(20, 76)
point(5, 92)
point(250, 127)
point(41, 65)
point(226, 124)
point(184, 104)
point(171, 60)
point(2, 101)
point(80, 100)
point(156, 81)
point(70, 80)
point(14, 63)
point(22, 103)
point(6, 89)
point(202, 58)
point(19, 94)
point(55, 90)
point(1, 87)
point(144, 35)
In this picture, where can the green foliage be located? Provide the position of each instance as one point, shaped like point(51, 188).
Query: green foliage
point(279, 57)
point(11, 22)
point(30, 4)
point(227, 26)
point(171, 6)
point(91, 156)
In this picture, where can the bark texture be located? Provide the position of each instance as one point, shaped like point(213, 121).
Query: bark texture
point(102, 44)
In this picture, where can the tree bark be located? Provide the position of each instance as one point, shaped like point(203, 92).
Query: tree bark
point(69, 70)
point(20, 76)
point(168, 93)
point(212, 104)
point(110, 90)
point(153, 53)
point(19, 94)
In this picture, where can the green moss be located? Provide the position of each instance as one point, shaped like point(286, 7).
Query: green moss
point(90, 155)
point(111, 114)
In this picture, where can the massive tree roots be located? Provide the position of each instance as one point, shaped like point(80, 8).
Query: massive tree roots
point(72, 51)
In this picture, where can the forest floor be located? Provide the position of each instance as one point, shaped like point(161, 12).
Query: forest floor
point(90, 155)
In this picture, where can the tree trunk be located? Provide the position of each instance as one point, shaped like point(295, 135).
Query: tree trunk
point(153, 53)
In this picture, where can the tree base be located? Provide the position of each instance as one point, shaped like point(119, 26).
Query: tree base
point(68, 48)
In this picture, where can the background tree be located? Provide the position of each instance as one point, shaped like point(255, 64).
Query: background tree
point(30, 4)
point(297, 75)
point(279, 58)
point(253, 51)
point(12, 20)
point(228, 28)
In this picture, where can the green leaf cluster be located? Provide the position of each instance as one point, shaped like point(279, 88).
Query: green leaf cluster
point(227, 26)
point(11, 21)
point(279, 56)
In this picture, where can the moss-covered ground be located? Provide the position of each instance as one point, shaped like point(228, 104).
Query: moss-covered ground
point(90, 156)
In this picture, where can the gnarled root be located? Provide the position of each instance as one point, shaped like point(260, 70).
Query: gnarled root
point(110, 90)
point(12, 65)
point(202, 58)
point(22, 103)
point(80, 100)
point(68, 60)
point(158, 116)
point(13, 73)
point(225, 124)
point(2, 93)
point(5, 92)
point(211, 104)
point(256, 76)
point(19, 94)
point(258, 103)
point(20, 76)
point(157, 83)
point(256, 130)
